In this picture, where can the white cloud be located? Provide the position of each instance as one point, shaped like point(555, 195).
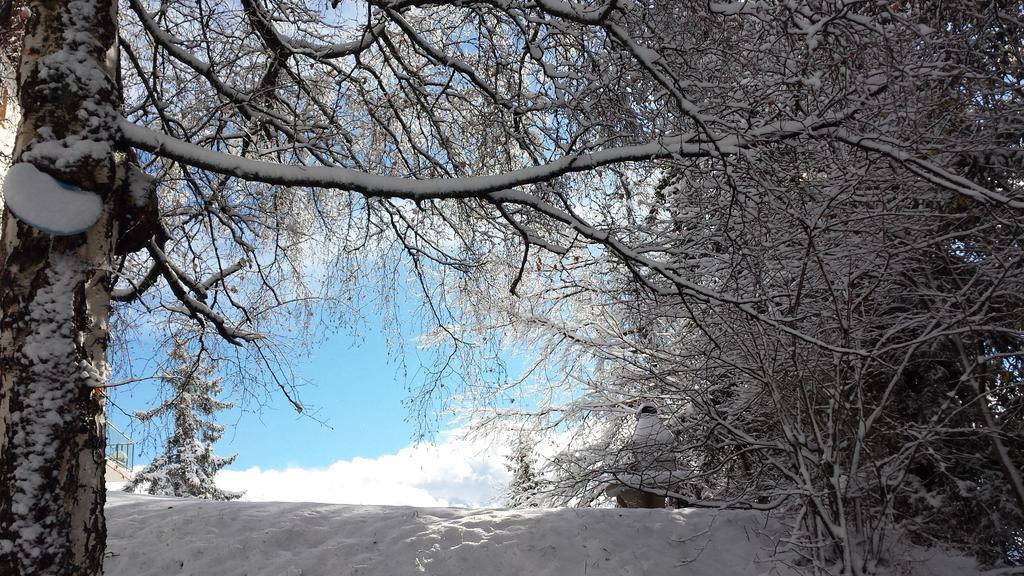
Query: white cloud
point(453, 472)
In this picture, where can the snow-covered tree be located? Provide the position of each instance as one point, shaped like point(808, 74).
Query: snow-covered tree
point(826, 338)
point(187, 466)
point(525, 483)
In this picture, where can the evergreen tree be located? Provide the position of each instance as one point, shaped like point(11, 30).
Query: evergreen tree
point(188, 465)
point(523, 487)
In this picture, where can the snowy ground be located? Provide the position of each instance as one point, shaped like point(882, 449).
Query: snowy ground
point(170, 536)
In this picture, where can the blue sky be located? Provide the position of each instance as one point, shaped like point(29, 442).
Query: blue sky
point(365, 454)
point(354, 389)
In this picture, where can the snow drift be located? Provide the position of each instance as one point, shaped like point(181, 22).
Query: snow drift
point(163, 536)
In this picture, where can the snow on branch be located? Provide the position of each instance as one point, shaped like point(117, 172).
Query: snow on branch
point(372, 185)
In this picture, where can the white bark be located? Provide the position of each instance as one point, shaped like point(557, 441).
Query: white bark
point(55, 300)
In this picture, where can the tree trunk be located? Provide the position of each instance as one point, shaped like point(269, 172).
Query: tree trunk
point(55, 299)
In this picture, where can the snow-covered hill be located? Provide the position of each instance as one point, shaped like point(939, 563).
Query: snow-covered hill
point(171, 536)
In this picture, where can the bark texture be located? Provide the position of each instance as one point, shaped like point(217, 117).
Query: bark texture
point(55, 300)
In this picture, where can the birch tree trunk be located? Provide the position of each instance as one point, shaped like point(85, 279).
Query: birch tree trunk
point(55, 298)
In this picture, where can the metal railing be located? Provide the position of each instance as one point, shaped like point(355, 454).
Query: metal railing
point(120, 448)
